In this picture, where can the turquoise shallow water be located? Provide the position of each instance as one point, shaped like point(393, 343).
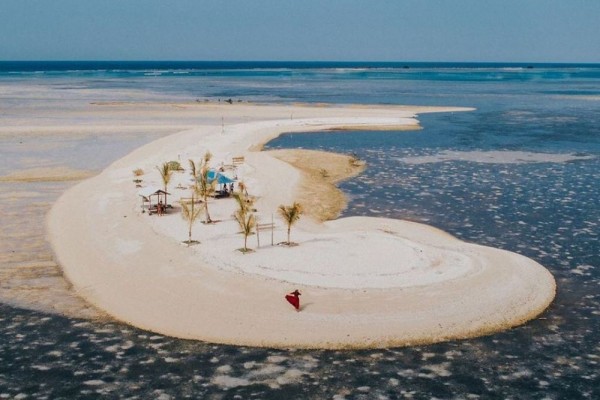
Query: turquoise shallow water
point(465, 173)
point(457, 84)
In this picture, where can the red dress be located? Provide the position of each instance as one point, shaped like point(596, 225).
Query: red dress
point(294, 299)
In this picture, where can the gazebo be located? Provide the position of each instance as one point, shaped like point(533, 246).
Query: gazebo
point(147, 193)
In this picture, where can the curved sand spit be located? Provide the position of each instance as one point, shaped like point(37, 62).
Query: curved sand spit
point(366, 282)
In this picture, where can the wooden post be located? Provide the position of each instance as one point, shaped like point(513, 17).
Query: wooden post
point(272, 229)
point(257, 233)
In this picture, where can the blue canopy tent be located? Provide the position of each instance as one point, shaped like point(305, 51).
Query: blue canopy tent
point(215, 176)
point(219, 177)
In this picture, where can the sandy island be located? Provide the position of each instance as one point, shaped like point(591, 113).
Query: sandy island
point(365, 282)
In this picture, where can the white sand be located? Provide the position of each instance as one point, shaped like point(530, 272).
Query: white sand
point(366, 282)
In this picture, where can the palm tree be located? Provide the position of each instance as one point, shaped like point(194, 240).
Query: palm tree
point(205, 189)
point(195, 168)
point(202, 187)
point(165, 173)
point(247, 222)
point(190, 213)
point(290, 214)
point(242, 202)
point(244, 216)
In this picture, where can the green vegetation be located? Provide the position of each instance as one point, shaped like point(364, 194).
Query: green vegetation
point(174, 166)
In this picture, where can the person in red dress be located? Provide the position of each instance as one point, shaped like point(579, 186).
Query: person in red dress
point(294, 299)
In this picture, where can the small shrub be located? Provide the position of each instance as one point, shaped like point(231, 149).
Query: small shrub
point(138, 172)
point(174, 166)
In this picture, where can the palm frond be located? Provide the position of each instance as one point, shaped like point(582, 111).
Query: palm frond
point(190, 212)
point(205, 189)
point(207, 157)
point(247, 222)
point(242, 202)
point(193, 169)
point(290, 214)
point(165, 173)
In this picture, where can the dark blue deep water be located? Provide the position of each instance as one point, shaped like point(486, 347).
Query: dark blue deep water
point(521, 172)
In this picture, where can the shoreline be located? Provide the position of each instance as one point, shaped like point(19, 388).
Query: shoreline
point(321, 171)
point(133, 266)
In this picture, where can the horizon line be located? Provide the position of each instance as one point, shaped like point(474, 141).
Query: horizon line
point(305, 61)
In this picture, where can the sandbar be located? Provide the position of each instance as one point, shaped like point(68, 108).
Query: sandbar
point(365, 282)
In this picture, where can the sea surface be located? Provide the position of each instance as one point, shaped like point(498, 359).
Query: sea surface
point(521, 172)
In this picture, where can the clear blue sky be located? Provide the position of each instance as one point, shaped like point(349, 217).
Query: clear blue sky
point(344, 30)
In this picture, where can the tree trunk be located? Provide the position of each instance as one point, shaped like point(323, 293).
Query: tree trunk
point(208, 220)
point(289, 228)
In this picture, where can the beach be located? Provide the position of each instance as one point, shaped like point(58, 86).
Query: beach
point(365, 282)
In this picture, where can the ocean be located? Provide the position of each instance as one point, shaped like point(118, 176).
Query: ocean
point(520, 173)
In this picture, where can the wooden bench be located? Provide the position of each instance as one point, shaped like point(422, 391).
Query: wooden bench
point(238, 160)
point(263, 227)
